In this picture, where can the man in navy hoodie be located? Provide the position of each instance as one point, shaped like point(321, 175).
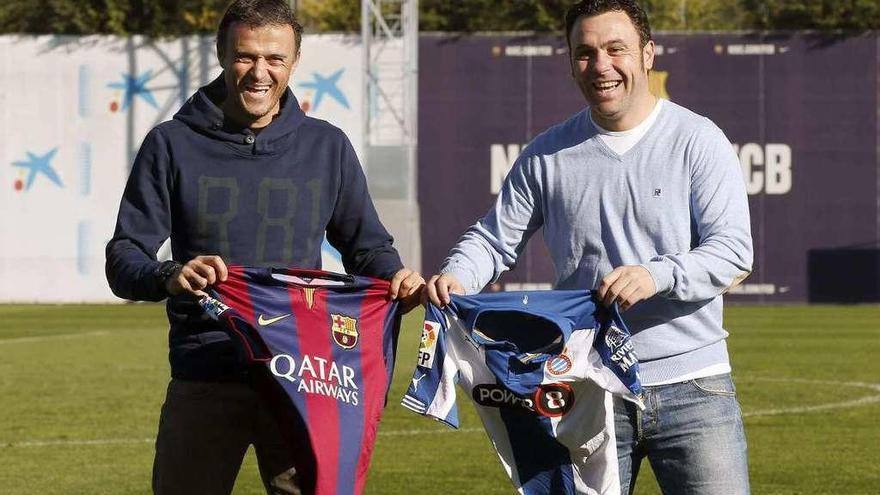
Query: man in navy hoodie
point(240, 176)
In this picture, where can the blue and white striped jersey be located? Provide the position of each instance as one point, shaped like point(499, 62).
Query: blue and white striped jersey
point(541, 369)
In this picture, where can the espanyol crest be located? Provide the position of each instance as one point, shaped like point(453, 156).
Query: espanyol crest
point(559, 365)
point(345, 332)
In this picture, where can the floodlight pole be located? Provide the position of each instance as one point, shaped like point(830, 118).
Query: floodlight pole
point(389, 31)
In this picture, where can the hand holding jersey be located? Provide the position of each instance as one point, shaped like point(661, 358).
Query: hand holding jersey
point(441, 287)
point(196, 275)
point(202, 272)
point(625, 285)
point(406, 287)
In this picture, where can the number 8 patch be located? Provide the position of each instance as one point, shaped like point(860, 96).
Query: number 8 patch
point(553, 399)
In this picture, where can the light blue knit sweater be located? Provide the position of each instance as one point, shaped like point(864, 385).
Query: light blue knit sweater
point(675, 203)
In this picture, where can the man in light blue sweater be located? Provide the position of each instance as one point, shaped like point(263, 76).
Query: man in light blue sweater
point(643, 201)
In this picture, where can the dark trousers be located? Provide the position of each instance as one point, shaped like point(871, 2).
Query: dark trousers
point(205, 430)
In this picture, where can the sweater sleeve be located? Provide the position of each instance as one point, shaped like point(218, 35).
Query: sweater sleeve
point(493, 244)
point(143, 224)
point(355, 229)
point(722, 256)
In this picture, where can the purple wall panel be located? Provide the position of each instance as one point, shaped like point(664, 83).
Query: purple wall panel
point(469, 98)
point(802, 110)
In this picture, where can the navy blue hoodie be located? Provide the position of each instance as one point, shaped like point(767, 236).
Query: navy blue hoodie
point(256, 199)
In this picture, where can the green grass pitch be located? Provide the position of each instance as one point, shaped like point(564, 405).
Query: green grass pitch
point(81, 388)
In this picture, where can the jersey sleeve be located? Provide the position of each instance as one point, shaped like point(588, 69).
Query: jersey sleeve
point(238, 327)
point(431, 391)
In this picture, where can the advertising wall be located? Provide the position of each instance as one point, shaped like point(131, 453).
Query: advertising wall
point(800, 110)
point(73, 112)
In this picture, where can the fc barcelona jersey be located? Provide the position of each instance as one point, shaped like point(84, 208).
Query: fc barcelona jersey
point(323, 346)
point(541, 369)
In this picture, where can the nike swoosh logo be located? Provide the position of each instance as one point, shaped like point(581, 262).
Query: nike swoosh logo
point(263, 321)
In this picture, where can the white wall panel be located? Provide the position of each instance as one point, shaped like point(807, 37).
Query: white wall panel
point(73, 112)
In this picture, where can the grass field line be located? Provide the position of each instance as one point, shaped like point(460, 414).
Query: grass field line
point(819, 407)
point(404, 433)
point(42, 338)
point(869, 399)
point(112, 441)
point(808, 381)
point(75, 443)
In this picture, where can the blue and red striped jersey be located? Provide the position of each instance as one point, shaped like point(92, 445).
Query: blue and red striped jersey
point(324, 345)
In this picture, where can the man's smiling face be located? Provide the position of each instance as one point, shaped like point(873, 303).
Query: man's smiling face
point(611, 69)
point(257, 64)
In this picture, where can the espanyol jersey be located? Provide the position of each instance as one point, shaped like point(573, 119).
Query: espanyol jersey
point(541, 368)
point(325, 346)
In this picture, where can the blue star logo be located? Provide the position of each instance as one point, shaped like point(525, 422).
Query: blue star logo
point(135, 86)
point(39, 164)
point(326, 85)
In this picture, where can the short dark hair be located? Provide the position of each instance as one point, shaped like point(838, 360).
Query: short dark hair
point(257, 13)
point(590, 8)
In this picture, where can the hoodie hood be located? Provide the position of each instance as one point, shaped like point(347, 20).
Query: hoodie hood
point(202, 113)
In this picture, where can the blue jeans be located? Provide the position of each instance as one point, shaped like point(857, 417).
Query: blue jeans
point(692, 434)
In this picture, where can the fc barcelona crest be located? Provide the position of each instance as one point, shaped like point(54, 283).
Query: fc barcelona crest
point(345, 332)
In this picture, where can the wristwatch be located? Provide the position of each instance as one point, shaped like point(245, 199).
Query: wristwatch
point(164, 271)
